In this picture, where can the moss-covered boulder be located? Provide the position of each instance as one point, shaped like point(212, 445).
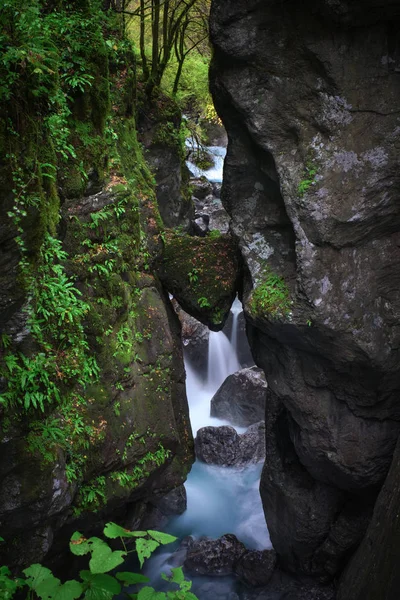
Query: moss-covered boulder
point(202, 274)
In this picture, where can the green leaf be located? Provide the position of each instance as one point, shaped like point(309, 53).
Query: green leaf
point(112, 531)
point(131, 578)
point(36, 574)
point(70, 590)
point(176, 577)
point(104, 559)
point(162, 538)
point(101, 586)
point(145, 549)
point(79, 545)
point(148, 593)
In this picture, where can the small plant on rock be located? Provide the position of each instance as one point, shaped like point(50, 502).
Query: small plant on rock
point(271, 296)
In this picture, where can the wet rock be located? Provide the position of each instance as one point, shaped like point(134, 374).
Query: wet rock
point(201, 187)
point(173, 503)
point(256, 567)
point(373, 572)
point(202, 274)
point(313, 527)
point(224, 446)
point(241, 398)
point(218, 445)
point(317, 200)
point(214, 557)
point(163, 154)
point(200, 225)
point(252, 444)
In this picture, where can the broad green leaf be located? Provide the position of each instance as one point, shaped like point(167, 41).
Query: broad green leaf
point(145, 549)
point(148, 593)
point(2, 539)
point(79, 545)
point(47, 588)
point(131, 578)
point(177, 576)
point(162, 538)
point(36, 574)
point(112, 531)
point(70, 590)
point(101, 586)
point(104, 559)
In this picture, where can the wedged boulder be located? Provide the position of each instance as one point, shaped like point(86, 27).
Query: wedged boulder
point(241, 398)
point(214, 557)
point(256, 567)
point(224, 446)
point(202, 274)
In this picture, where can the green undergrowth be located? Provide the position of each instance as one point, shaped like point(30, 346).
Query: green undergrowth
point(270, 297)
point(68, 128)
point(103, 579)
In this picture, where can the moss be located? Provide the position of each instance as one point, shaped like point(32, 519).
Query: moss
point(202, 274)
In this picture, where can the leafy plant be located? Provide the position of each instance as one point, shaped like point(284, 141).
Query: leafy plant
point(55, 315)
point(193, 275)
point(96, 583)
point(203, 302)
point(308, 180)
point(271, 296)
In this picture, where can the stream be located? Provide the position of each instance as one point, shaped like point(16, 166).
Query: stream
point(220, 500)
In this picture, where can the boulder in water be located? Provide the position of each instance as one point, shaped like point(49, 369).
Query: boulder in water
point(214, 557)
point(218, 445)
point(241, 398)
point(224, 446)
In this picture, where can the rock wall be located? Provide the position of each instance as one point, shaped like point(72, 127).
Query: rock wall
point(111, 442)
point(308, 93)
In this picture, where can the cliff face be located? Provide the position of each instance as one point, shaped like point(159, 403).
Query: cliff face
point(94, 416)
point(309, 96)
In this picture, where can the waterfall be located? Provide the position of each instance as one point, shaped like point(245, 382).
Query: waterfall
point(236, 309)
point(222, 360)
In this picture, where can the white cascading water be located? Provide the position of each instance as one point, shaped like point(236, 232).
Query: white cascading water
point(236, 309)
point(220, 499)
point(214, 174)
point(222, 360)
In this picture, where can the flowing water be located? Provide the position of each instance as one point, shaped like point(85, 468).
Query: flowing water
point(219, 499)
point(214, 174)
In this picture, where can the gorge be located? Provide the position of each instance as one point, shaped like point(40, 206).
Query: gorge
point(98, 227)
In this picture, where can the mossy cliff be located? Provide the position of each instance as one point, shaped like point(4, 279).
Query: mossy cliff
point(94, 417)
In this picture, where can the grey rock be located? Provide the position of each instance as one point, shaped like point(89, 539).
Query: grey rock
point(224, 446)
point(214, 557)
point(201, 187)
point(173, 503)
point(218, 445)
point(241, 398)
point(200, 225)
point(373, 572)
point(256, 567)
point(292, 95)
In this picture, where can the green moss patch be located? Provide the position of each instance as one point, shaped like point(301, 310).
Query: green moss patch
point(202, 275)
